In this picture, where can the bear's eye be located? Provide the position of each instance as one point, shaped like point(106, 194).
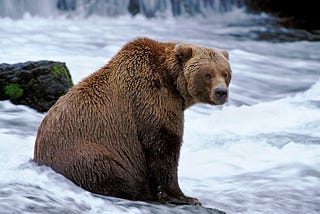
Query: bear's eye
point(208, 76)
point(227, 77)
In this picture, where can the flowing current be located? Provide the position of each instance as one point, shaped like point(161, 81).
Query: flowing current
point(260, 153)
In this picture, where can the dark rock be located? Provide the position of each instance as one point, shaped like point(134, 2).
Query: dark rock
point(67, 5)
point(295, 14)
point(36, 84)
point(134, 7)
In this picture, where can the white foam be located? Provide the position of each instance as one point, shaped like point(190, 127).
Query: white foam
point(258, 119)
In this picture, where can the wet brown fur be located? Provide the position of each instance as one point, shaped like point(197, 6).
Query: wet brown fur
point(119, 131)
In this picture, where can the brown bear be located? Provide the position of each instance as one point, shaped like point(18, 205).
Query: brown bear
point(119, 131)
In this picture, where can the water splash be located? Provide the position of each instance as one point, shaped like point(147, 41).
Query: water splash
point(46, 8)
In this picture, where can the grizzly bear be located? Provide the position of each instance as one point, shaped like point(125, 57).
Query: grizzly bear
point(119, 131)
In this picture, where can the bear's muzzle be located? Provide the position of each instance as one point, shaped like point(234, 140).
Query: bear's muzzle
point(221, 95)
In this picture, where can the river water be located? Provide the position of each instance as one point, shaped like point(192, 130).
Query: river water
point(260, 153)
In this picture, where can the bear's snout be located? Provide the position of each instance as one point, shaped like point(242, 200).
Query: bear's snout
point(221, 94)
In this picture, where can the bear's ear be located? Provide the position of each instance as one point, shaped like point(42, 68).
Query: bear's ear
point(183, 52)
point(225, 54)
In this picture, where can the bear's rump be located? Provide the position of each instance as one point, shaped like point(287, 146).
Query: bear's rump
point(96, 169)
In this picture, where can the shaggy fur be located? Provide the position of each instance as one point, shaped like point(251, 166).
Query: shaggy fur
point(119, 131)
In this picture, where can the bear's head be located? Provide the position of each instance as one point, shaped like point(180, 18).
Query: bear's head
point(205, 74)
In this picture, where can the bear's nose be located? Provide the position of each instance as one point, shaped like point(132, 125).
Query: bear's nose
point(221, 93)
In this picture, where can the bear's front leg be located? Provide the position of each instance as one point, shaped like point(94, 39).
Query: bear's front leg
point(162, 158)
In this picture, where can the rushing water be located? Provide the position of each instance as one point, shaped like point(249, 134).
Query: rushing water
point(260, 153)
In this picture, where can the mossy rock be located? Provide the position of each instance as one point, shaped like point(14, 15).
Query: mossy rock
point(61, 70)
point(13, 91)
point(38, 84)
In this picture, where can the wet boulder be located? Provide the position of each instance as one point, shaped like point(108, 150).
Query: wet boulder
point(294, 13)
point(37, 84)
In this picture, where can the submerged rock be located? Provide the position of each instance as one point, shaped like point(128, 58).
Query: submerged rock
point(36, 84)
